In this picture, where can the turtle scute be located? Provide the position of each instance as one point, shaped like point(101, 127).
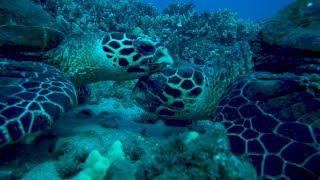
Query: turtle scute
point(176, 93)
point(274, 114)
point(32, 96)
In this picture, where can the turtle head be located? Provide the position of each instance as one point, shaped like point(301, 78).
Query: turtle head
point(133, 56)
point(99, 56)
point(174, 94)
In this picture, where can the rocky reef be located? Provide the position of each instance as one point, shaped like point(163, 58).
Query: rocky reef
point(189, 35)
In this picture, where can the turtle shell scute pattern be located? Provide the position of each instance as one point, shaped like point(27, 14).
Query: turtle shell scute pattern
point(270, 119)
point(129, 50)
point(32, 96)
point(171, 92)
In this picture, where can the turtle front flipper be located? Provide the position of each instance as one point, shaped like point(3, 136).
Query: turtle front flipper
point(32, 96)
point(272, 119)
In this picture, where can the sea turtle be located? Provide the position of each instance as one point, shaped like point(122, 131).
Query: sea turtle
point(271, 115)
point(271, 118)
point(40, 67)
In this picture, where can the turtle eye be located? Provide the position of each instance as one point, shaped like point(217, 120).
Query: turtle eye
point(144, 48)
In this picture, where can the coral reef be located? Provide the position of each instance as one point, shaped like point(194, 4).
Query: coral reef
point(96, 166)
point(188, 34)
point(195, 156)
point(188, 156)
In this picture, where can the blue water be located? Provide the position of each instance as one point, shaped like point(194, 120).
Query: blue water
point(249, 9)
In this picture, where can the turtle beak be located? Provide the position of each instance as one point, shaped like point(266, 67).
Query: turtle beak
point(163, 56)
point(162, 59)
point(144, 98)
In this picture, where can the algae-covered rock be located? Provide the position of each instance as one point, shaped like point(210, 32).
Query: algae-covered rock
point(296, 26)
point(23, 12)
point(26, 29)
point(290, 39)
point(195, 156)
point(29, 38)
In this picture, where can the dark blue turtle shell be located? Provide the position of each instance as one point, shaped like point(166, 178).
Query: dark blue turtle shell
point(32, 96)
point(274, 121)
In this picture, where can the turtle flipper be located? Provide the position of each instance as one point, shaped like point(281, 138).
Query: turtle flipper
point(32, 96)
point(270, 118)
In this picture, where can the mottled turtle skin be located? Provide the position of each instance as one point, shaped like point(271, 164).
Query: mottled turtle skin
point(98, 56)
point(272, 119)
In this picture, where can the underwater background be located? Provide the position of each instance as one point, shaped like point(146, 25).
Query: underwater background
point(249, 9)
point(150, 89)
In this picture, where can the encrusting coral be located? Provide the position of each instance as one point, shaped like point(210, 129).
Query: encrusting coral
point(188, 34)
point(188, 156)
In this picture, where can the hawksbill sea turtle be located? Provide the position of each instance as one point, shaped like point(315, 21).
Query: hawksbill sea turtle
point(40, 67)
point(271, 115)
point(273, 119)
